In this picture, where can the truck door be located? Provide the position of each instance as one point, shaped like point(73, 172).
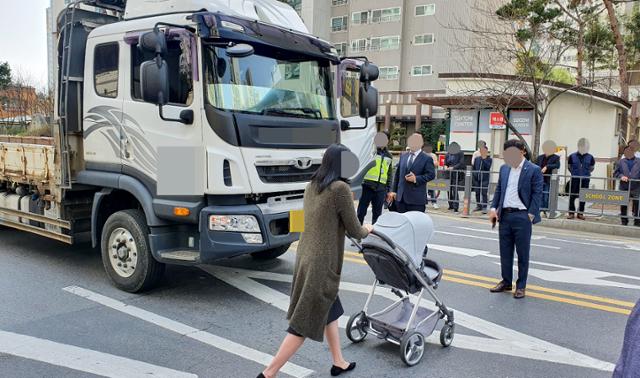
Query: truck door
point(103, 92)
point(146, 136)
point(361, 132)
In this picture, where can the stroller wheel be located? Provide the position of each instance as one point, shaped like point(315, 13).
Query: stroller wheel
point(412, 348)
point(356, 331)
point(446, 334)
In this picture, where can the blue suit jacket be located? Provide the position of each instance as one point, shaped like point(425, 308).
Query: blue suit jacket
point(423, 168)
point(529, 189)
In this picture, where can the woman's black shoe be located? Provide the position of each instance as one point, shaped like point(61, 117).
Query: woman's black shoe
point(337, 370)
point(260, 376)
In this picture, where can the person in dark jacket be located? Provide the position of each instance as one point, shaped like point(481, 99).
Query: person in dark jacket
point(481, 177)
point(581, 163)
point(377, 181)
point(315, 307)
point(414, 171)
point(454, 163)
point(628, 171)
point(628, 365)
point(548, 163)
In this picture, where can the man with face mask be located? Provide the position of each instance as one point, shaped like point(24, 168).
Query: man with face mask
point(412, 174)
point(516, 204)
point(377, 181)
point(455, 164)
point(581, 164)
point(628, 171)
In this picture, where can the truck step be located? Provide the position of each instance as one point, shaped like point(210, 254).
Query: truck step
point(188, 256)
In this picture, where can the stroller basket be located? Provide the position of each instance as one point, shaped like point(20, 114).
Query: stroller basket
point(393, 320)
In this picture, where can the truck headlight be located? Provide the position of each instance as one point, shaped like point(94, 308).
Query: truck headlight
point(234, 223)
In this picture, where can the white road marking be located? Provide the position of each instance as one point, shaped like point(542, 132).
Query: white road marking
point(567, 274)
point(81, 359)
point(493, 239)
point(617, 245)
point(500, 340)
point(188, 331)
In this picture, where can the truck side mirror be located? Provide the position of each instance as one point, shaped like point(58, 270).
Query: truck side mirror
point(368, 101)
point(154, 81)
point(369, 73)
point(154, 42)
point(241, 50)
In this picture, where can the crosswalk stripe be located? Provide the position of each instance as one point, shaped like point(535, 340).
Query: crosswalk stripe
point(188, 331)
point(81, 359)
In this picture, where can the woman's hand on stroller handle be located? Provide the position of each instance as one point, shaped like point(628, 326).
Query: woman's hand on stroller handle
point(369, 227)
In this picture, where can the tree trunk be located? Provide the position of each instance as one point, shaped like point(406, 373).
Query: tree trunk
point(622, 54)
point(580, 54)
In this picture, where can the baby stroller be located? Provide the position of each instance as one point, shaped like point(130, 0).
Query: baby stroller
point(396, 252)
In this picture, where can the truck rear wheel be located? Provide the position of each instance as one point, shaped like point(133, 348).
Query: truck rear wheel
point(126, 255)
point(272, 253)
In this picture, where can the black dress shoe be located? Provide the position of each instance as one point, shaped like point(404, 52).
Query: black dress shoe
point(337, 370)
point(261, 376)
point(500, 287)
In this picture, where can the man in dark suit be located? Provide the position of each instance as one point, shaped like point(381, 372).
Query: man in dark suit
point(516, 204)
point(414, 171)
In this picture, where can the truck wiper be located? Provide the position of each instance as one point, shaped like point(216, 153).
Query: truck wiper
point(288, 111)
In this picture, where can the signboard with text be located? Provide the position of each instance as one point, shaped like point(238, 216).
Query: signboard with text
point(463, 128)
point(496, 121)
point(439, 184)
point(607, 197)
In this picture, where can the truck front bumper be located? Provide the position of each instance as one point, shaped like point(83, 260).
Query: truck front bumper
point(215, 245)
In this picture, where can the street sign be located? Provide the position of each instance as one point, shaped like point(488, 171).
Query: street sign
point(438, 184)
point(607, 197)
point(496, 121)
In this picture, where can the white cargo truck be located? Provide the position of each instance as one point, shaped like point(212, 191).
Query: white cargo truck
point(188, 130)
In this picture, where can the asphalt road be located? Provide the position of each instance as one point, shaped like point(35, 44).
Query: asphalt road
point(60, 317)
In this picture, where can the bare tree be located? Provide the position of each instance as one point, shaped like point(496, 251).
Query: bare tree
point(622, 54)
point(22, 104)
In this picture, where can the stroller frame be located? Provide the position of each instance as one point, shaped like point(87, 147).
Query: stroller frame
point(410, 337)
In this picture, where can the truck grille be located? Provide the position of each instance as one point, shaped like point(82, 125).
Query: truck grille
point(277, 174)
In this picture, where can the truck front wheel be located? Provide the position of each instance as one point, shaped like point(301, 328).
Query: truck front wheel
point(126, 255)
point(272, 253)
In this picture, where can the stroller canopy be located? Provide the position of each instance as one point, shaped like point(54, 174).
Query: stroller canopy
point(410, 231)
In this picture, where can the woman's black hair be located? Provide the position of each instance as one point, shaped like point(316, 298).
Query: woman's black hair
point(331, 167)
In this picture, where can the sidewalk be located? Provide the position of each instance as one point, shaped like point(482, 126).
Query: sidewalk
point(593, 224)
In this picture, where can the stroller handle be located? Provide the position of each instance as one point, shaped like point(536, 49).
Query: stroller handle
point(380, 235)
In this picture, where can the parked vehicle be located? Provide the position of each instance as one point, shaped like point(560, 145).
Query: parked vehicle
point(188, 131)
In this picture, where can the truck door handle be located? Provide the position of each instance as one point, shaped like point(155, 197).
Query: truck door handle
point(125, 145)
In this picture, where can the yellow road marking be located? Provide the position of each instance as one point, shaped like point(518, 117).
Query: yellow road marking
point(487, 283)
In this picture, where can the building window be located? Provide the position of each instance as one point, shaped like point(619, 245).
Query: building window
point(105, 70)
point(335, 3)
point(358, 18)
point(384, 43)
point(426, 10)
point(358, 45)
point(423, 39)
point(424, 70)
point(339, 23)
point(341, 48)
point(295, 4)
point(385, 15)
point(376, 16)
point(389, 73)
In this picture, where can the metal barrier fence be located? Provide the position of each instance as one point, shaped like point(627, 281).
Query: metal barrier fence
point(577, 197)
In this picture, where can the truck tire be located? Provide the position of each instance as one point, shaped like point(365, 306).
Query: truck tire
point(126, 255)
point(272, 253)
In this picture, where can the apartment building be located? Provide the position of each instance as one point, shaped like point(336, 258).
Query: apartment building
point(412, 41)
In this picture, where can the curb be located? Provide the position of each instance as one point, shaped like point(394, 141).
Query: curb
point(592, 227)
point(565, 224)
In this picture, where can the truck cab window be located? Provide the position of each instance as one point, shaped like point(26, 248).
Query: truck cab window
point(180, 71)
point(105, 70)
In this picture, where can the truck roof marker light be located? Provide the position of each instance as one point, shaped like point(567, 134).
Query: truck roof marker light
point(181, 211)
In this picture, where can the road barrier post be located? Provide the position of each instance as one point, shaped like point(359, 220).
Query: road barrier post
point(554, 192)
point(467, 193)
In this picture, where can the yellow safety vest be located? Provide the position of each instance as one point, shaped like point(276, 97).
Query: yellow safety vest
point(380, 172)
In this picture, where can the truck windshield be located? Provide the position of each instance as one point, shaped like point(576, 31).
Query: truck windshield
point(269, 83)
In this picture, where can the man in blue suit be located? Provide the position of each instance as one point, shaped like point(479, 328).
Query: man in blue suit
point(413, 173)
point(516, 204)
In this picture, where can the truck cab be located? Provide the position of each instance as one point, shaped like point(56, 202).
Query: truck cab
point(190, 129)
